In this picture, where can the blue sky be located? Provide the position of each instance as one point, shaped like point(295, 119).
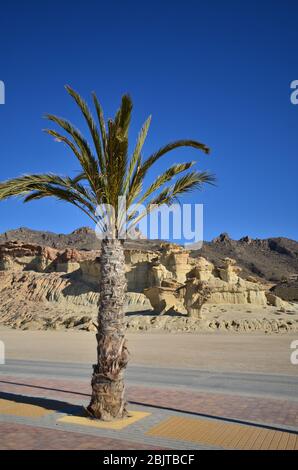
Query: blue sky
point(216, 71)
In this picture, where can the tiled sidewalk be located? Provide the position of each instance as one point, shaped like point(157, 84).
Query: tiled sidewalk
point(218, 405)
point(38, 405)
point(22, 437)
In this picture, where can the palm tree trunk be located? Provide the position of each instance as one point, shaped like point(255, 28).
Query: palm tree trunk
point(108, 400)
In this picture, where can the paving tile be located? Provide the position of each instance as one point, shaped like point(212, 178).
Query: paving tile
point(23, 437)
point(59, 397)
point(9, 407)
point(227, 435)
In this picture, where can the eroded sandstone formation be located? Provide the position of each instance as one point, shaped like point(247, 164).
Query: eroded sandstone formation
point(202, 282)
point(42, 287)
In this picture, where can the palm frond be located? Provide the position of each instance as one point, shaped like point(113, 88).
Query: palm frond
point(168, 148)
point(123, 115)
point(142, 169)
point(91, 124)
point(192, 180)
point(36, 186)
point(80, 176)
point(83, 153)
point(167, 176)
point(117, 150)
point(189, 182)
point(102, 125)
point(61, 138)
point(136, 157)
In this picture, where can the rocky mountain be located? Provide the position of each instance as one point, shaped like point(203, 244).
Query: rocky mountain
point(83, 238)
point(271, 259)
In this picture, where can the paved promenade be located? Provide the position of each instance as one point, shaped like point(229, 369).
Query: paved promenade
point(41, 413)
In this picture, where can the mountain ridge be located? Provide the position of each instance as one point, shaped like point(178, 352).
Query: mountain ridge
point(272, 259)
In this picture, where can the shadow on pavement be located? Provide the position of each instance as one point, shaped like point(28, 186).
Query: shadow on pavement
point(47, 403)
point(77, 410)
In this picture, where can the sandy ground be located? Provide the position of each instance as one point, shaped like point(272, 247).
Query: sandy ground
point(57, 316)
point(218, 351)
point(249, 311)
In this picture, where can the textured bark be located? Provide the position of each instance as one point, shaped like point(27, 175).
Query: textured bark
point(108, 391)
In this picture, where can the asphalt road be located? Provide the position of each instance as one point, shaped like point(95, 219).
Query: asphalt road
point(268, 385)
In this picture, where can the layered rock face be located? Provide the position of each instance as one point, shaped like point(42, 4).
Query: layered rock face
point(44, 287)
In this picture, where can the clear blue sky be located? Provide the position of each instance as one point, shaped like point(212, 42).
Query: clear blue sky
point(217, 71)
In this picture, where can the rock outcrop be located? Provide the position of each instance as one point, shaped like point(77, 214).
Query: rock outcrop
point(271, 259)
point(43, 287)
point(204, 283)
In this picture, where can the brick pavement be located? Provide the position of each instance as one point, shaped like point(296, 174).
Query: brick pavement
point(256, 409)
point(252, 409)
point(68, 396)
point(23, 437)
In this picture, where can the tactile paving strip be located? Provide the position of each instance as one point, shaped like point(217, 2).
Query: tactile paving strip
point(119, 424)
point(223, 434)
point(9, 407)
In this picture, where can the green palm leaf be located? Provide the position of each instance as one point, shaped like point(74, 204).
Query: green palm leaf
point(102, 125)
point(136, 159)
point(91, 124)
point(37, 186)
point(168, 148)
point(189, 182)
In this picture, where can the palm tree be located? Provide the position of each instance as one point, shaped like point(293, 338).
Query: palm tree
point(108, 173)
